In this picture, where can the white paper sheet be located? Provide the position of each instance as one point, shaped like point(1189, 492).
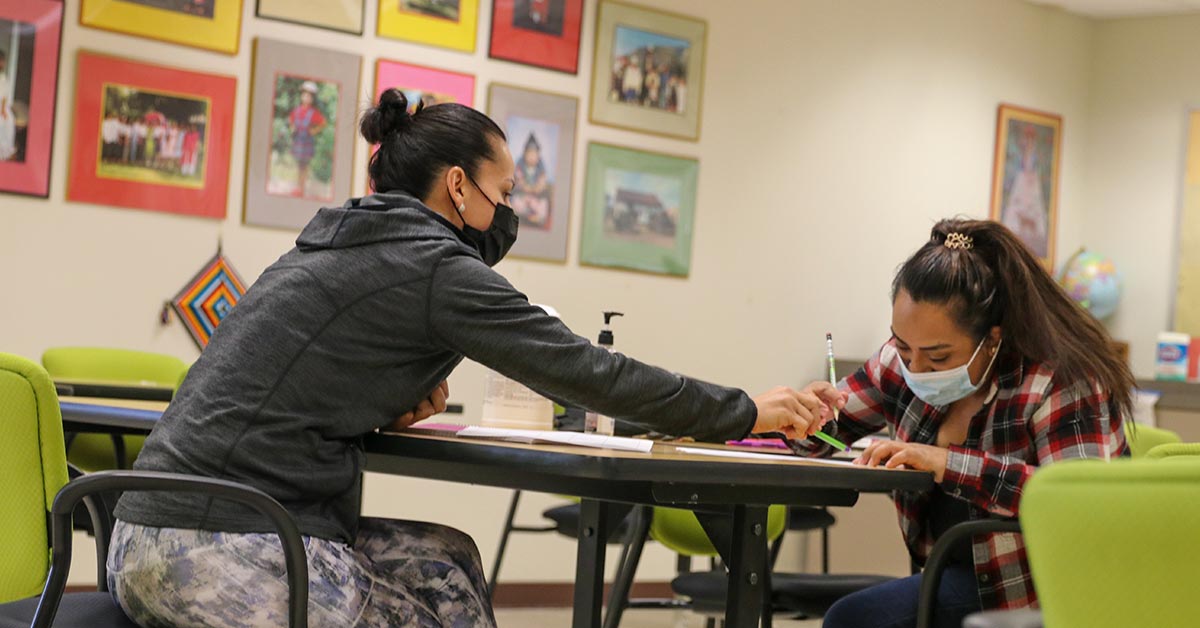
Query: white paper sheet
point(722, 453)
point(579, 439)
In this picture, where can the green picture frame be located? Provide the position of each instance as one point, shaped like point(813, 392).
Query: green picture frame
point(639, 210)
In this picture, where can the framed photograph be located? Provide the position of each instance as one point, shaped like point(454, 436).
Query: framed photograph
point(639, 209)
point(649, 70)
point(339, 15)
point(442, 23)
point(303, 105)
point(541, 137)
point(541, 33)
point(30, 33)
point(1025, 177)
point(419, 83)
point(210, 24)
point(150, 137)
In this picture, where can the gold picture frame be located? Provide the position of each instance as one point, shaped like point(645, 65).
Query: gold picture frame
point(648, 70)
point(1025, 177)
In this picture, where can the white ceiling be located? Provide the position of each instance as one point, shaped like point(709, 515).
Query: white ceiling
point(1123, 8)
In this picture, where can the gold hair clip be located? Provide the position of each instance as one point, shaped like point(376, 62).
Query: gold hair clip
point(958, 241)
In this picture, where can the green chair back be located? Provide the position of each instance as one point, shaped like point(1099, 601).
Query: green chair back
point(679, 531)
point(1143, 438)
point(114, 365)
point(1114, 544)
point(95, 452)
point(33, 468)
point(1174, 451)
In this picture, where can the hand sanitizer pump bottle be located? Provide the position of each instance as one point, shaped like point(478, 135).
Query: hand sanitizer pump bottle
point(593, 422)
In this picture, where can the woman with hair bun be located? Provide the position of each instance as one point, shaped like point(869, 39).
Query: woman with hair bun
point(991, 371)
point(354, 330)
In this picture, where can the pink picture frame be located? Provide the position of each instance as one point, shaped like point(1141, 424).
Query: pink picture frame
point(30, 174)
point(442, 85)
point(432, 85)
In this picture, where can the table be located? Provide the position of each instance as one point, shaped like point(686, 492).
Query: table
point(112, 390)
point(601, 478)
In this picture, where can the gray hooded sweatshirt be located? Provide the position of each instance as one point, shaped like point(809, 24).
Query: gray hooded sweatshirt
point(376, 305)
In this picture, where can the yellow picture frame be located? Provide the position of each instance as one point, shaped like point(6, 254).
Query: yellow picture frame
point(420, 24)
point(153, 19)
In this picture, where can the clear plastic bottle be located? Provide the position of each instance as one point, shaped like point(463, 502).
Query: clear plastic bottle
point(593, 422)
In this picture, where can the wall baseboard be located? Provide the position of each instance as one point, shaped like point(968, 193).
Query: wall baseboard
point(528, 594)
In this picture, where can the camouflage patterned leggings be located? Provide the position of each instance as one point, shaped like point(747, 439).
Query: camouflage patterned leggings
point(399, 573)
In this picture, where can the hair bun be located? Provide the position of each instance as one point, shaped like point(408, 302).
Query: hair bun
point(390, 115)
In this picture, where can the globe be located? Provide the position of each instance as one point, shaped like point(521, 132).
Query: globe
point(1092, 281)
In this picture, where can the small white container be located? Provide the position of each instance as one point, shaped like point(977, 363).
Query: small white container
point(1171, 357)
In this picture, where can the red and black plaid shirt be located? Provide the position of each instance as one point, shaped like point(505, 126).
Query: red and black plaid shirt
point(1028, 420)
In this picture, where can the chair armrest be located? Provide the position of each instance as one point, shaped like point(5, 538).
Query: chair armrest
point(83, 488)
point(939, 557)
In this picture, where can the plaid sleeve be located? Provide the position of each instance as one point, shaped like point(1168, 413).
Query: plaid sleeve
point(1070, 422)
point(864, 411)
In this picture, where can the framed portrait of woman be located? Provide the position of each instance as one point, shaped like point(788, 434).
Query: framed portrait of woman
point(303, 104)
point(30, 32)
point(541, 138)
point(1025, 177)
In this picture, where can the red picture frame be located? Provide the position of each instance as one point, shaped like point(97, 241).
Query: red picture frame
point(27, 170)
point(196, 182)
point(542, 43)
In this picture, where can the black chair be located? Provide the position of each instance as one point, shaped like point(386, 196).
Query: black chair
point(564, 520)
point(939, 558)
point(97, 610)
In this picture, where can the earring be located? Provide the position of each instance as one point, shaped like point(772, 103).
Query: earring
point(462, 207)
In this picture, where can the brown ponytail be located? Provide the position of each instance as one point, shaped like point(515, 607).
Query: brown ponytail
point(995, 280)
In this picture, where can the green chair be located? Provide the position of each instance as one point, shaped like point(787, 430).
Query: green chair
point(1144, 450)
point(1115, 544)
point(96, 452)
point(1143, 438)
point(36, 557)
point(1174, 451)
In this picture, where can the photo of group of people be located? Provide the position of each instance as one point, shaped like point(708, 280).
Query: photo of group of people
point(16, 72)
point(444, 9)
point(534, 146)
point(543, 16)
point(649, 70)
point(152, 137)
point(303, 138)
point(201, 8)
point(641, 207)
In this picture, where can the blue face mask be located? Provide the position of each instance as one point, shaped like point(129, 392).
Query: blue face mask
point(942, 388)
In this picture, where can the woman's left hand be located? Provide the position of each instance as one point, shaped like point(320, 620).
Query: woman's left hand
point(893, 454)
point(433, 405)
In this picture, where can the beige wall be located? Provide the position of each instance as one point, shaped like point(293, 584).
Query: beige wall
point(1144, 82)
point(834, 134)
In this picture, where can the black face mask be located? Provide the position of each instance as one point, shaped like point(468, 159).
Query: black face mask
point(494, 243)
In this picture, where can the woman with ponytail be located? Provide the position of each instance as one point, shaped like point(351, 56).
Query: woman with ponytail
point(356, 329)
point(990, 372)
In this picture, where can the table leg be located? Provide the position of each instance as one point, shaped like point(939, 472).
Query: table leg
point(744, 603)
point(589, 563)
